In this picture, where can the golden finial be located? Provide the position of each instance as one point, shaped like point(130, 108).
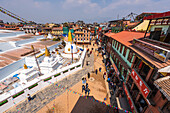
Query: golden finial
point(69, 36)
point(25, 66)
point(47, 53)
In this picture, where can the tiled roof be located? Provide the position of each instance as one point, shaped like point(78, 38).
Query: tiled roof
point(163, 84)
point(109, 34)
point(126, 37)
point(161, 15)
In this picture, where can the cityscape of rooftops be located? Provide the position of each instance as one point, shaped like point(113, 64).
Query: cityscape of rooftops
point(84, 56)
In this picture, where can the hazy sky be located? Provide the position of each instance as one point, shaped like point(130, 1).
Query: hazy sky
point(58, 11)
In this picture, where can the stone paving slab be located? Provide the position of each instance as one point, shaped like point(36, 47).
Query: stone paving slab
point(46, 95)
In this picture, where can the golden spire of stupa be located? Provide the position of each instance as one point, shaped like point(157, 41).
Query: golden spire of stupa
point(69, 36)
point(25, 66)
point(47, 53)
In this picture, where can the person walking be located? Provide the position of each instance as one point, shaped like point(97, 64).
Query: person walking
point(96, 71)
point(87, 50)
point(88, 75)
point(100, 69)
point(88, 91)
point(85, 92)
point(90, 52)
point(86, 63)
point(83, 88)
point(29, 97)
point(87, 85)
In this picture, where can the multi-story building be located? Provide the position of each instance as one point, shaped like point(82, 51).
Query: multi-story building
point(142, 62)
point(58, 31)
point(81, 35)
point(46, 30)
point(30, 29)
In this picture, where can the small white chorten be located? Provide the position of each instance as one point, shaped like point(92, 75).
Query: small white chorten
point(49, 63)
point(27, 75)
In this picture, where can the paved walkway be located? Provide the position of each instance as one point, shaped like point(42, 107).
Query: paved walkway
point(50, 97)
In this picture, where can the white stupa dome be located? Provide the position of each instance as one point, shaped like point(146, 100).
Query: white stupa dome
point(49, 36)
point(68, 48)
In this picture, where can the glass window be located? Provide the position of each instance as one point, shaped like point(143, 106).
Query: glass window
point(112, 43)
point(78, 39)
point(130, 56)
point(118, 46)
point(121, 46)
point(87, 39)
point(87, 35)
point(124, 53)
point(115, 43)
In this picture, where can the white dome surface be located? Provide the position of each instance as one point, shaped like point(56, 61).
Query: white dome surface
point(68, 48)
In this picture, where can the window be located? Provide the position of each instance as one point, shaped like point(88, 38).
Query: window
point(81, 35)
point(75, 38)
point(78, 35)
point(130, 56)
point(84, 39)
point(87, 35)
point(124, 53)
point(118, 46)
point(115, 43)
point(121, 46)
point(87, 39)
point(125, 72)
point(84, 35)
point(78, 39)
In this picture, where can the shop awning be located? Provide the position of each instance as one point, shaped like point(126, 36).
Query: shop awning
point(165, 69)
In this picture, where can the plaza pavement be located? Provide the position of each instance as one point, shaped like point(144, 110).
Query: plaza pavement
point(54, 99)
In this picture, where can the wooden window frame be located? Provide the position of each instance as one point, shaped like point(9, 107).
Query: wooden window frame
point(125, 51)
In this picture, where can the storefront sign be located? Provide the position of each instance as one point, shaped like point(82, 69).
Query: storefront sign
point(158, 52)
point(129, 99)
point(140, 83)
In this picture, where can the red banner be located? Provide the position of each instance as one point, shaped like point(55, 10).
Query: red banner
point(141, 85)
point(129, 100)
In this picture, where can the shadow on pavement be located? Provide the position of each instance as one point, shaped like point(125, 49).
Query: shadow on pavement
point(84, 105)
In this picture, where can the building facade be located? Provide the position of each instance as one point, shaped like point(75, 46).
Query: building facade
point(82, 35)
point(58, 31)
point(139, 62)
